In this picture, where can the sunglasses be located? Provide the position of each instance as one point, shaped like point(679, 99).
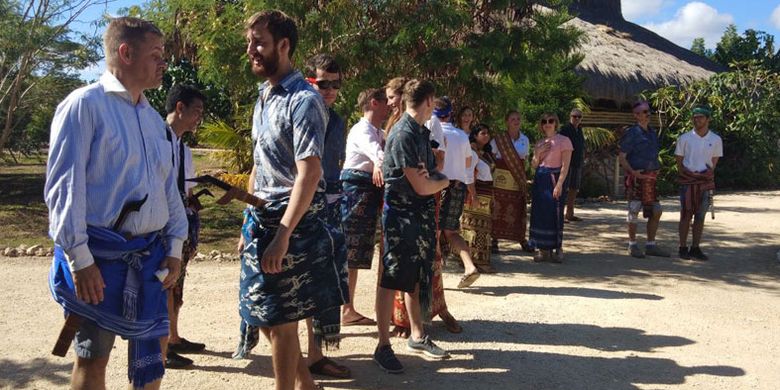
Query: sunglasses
point(548, 121)
point(328, 84)
point(646, 112)
point(576, 116)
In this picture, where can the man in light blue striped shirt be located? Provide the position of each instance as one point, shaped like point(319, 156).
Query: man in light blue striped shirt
point(108, 147)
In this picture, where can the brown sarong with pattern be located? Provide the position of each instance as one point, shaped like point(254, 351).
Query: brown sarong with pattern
point(510, 193)
point(477, 224)
point(643, 190)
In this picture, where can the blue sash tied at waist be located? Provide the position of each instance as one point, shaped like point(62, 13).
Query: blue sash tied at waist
point(134, 304)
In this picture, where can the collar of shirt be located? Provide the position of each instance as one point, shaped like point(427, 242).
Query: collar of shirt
point(412, 124)
point(112, 85)
point(285, 84)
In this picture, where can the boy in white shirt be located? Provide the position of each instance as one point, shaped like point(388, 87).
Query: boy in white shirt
point(697, 154)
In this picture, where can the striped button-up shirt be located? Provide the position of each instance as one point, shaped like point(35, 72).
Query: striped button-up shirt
point(104, 152)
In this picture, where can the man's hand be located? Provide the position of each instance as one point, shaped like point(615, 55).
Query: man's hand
point(439, 156)
point(89, 284)
point(378, 179)
point(274, 254)
point(174, 268)
point(639, 175)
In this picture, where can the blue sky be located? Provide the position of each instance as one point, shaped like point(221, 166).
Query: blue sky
point(680, 21)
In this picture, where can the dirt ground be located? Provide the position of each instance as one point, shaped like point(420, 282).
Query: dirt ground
point(601, 320)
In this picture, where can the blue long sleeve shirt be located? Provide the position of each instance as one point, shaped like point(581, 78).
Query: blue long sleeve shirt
point(104, 152)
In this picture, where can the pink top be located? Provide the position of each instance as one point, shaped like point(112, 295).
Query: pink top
point(554, 157)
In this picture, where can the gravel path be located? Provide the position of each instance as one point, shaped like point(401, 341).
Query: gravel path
point(601, 320)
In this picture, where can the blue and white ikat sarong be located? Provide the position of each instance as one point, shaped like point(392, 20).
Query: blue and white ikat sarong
point(134, 304)
point(409, 226)
point(313, 281)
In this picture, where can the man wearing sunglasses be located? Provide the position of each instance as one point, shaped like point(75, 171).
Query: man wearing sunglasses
point(573, 130)
point(639, 159)
point(324, 74)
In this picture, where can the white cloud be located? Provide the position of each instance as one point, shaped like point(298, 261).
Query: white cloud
point(694, 20)
point(775, 18)
point(633, 9)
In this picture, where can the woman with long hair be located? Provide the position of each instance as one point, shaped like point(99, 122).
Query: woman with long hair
point(394, 90)
point(552, 156)
point(476, 223)
point(464, 120)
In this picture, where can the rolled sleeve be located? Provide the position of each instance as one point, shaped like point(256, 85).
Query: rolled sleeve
point(309, 121)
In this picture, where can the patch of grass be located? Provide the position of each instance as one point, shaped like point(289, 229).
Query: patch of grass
point(24, 216)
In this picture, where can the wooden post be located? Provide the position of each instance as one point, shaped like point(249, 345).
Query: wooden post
point(616, 184)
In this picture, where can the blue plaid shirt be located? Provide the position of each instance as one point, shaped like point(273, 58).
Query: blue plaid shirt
point(288, 125)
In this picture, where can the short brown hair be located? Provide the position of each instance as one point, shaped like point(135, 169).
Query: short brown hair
point(416, 91)
point(278, 24)
point(126, 30)
point(365, 97)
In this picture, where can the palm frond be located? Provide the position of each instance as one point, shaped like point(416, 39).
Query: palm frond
point(597, 138)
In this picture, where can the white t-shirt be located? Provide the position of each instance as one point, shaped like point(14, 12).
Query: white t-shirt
point(697, 152)
point(437, 134)
point(458, 150)
point(483, 169)
point(521, 145)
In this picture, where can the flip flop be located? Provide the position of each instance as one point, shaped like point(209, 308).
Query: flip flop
point(468, 279)
point(364, 321)
point(327, 367)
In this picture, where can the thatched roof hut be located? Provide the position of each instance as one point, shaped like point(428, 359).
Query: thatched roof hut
point(623, 59)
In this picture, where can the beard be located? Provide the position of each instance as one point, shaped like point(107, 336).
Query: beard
point(268, 66)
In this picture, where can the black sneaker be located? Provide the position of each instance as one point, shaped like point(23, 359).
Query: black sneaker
point(683, 253)
point(697, 254)
point(173, 361)
point(384, 357)
point(426, 347)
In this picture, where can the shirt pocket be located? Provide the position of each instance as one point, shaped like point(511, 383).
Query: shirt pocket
point(161, 158)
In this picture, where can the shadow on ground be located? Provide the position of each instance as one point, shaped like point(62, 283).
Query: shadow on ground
point(14, 374)
point(493, 369)
point(745, 260)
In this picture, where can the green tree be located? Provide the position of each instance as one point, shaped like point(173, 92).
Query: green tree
point(752, 45)
point(491, 55)
point(36, 47)
point(698, 46)
point(744, 103)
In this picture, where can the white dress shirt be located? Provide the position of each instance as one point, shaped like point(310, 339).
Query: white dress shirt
point(365, 147)
point(105, 151)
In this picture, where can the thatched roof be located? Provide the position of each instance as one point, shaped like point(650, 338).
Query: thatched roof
point(622, 59)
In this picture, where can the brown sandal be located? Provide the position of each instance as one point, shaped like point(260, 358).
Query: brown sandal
point(450, 323)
